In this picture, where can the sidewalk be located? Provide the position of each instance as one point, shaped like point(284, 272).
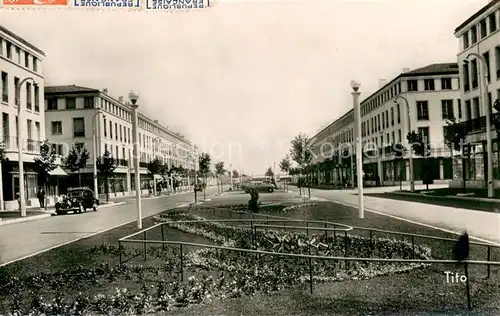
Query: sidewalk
point(478, 224)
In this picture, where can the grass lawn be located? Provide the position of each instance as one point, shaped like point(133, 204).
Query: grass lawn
point(422, 291)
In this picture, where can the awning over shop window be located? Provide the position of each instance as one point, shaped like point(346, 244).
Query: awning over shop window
point(58, 172)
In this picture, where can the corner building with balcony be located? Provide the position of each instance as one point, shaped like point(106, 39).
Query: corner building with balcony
point(73, 114)
point(433, 99)
point(19, 60)
point(479, 34)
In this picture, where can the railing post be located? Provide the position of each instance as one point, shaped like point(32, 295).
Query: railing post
point(251, 229)
point(310, 273)
point(345, 248)
point(145, 245)
point(162, 237)
point(284, 224)
point(334, 233)
point(326, 233)
point(307, 230)
point(467, 286)
point(488, 259)
point(120, 251)
point(413, 247)
point(182, 264)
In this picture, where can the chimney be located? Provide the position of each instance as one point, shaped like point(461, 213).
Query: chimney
point(381, 83)
point(105, 90)
point(405, 70)
point(120, 99)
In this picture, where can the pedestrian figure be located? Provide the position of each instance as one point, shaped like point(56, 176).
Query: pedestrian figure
point(377, 181)
point(18, 198)
point(461, 250)
point(41, 197)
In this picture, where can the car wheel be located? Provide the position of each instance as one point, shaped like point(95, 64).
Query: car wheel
point(270, 190)
point(59, 212)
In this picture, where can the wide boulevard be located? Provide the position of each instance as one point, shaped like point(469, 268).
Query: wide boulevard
point(24, 239)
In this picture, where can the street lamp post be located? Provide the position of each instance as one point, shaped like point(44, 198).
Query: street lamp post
point(487, 109)
point(410, 151)
point(359, 150)
point(94, 158)
point(22, 202)
point(133, 98)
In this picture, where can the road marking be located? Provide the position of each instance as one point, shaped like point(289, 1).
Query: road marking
point(87, 236)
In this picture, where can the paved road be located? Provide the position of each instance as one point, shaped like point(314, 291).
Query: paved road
point(484, 225)
point(23, 239)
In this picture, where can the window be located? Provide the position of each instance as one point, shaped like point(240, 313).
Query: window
point(486, 57)
point(473, 34)
point(52, 104)
point(393, 137)
point(16, 94)
point(116, 131)
point(445, 83)
point(424, 133)
point(58, 149)
point(468, 110)
point(78, 127)
point(378, 123)
point(37, 99)
point(493, 22)
point(110, 129)
point(8, 46)
point(105, 128)
point(383, 120)
point(70, 103)
point(476, 108)
point(429, 84)
point(466, 77)
point(474, 73)
point(121, 133)
point(466, 39)
point(412, 85)
point(399, 113)
point(88, 102)
point(26, 59)
point(399, 136)
point(422, 110)
point(392, 116)
point(56, 128)
point(128, 132)
point(37, 130)
point(387, 118)
point(28, 96)
point(447, 109)
point(459, 108)
point(372, 125)
point(35, 64)
point(483, 30)
point(497, 59)
point(5, 87)
point(18, 55)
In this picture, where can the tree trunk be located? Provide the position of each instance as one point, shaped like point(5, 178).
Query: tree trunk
point(106, 187)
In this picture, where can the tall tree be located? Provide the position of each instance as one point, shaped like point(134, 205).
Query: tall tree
point(219, 172)
point(235, 174)
point(269, 172)
point(77, 159)
point(422, 149)
point(106, 166)
point(204, 169)
point(302, 153)
point(455, 134)
point(45, 163)
point(154, 168)
point(285, 165)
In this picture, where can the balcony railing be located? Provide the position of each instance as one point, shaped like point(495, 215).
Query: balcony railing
point(478, 124)
point(30, 145)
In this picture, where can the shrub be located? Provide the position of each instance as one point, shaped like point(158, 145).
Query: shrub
point(253, 204)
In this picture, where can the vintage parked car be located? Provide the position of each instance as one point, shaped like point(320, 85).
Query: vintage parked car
point(264, 186)
point(78, 200)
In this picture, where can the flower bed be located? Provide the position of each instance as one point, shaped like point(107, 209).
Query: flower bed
point(271, 273)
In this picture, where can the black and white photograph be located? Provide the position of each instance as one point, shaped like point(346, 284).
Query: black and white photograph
point(250, 157)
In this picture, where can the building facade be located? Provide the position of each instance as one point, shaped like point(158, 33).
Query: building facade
point(20, 60)
point(75, 114)
point(479, 34)
point(433, 99)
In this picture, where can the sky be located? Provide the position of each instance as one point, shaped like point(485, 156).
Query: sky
point(243, 78)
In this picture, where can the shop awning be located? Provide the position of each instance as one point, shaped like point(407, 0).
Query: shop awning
point(58, 172)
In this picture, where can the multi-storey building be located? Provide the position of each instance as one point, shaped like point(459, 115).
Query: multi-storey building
point(20, 60)
point(433, 95)
point(75, 114)
point(479, 34)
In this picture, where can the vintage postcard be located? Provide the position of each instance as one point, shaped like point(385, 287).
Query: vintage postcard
point(249, 157)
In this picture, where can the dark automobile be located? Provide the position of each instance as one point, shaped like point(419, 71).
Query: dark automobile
point(78, 200)
point(266, 186)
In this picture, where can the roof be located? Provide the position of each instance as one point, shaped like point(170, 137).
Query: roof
point(434, 69)
point(21, 40)
point(477, 14)
point(68, 89)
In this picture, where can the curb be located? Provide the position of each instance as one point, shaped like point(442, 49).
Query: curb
point(452, 197)
point(110, 204)
point(24, 219)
